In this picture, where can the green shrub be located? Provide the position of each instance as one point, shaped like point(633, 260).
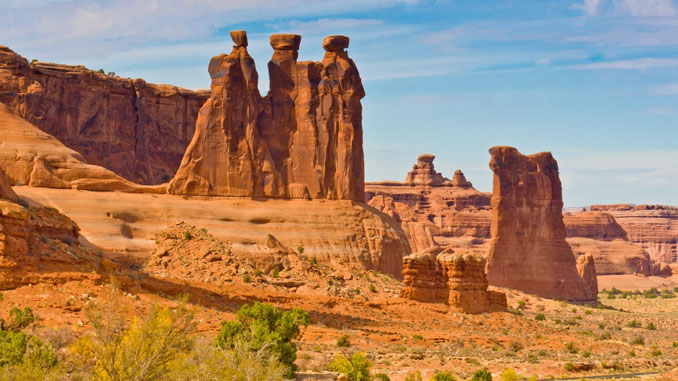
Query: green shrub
point(482, 375)
point(539, 317)
point(373, 289)
point(147, 350)
point(651, 326)
point(638, 340)
point(605, 336)
point(509, 374)
point(246, 278)
point(355, 369)
point(344, 341)
point(634, 324)
point(265, 326)
point(569, 366)
point(13, 346)
point(19, 319)
point(414, 376)
point(522, 305)
point(443, 376)
point(571, 347)
point(516, 346)
point(188, 236)
point(381, 377)
point(656, 352)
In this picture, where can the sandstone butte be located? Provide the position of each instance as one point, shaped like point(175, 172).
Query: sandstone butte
point(136, 129)
point(528, 250)
point(454, 214)
point(302, 140)
point(440, 275)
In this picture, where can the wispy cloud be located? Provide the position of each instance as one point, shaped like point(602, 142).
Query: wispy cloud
point(631, 64)
point(647, 8)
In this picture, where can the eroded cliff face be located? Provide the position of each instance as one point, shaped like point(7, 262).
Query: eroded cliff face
point(302, 140)
point(652, 227)
point(528, 250)
point(136, 129)
point(598, 234)
point(29, 156)
point(433, 210)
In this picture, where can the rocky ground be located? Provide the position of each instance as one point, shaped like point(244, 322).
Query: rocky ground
point(536, 337)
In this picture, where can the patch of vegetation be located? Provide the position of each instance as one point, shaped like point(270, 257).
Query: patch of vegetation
point(265, 327)
point(634, 324)
point(188, 236)
point(482, 375)
point(355, 369)
point(414, 376)
point(539, 317)
point(344, 341)
point(443, 376)
point(571, 347)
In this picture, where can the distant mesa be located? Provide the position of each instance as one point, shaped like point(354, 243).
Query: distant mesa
point(528, 250)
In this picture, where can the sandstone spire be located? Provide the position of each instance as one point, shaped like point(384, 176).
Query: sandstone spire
point(303, 139)
point(528, 250)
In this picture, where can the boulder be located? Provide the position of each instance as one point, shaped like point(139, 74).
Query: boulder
point(528, 250)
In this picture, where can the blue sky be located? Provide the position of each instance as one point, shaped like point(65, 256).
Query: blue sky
point(593, 81)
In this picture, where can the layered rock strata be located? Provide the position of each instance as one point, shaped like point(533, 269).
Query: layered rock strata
point(599, 234)
point(302, 140)
point(433, 210)
point(32, 157)
point(440, 275)
point(136, 129)
point(528, 250)
point(652, 227)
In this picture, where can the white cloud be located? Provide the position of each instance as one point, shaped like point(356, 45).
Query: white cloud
point(589, 6)
point(647, 8)
point(631, 64)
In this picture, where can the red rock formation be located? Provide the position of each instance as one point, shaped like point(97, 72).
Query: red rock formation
point(652, 227)
point(424, 173)
point(459, 180)
point(304, 139)
point(6, 191)
point(439, 275)
point(136, 129)
point(599, 234)
point(528, 250)
point(440, 213)
point(423, 277)
point(467, 283)
point(29, 156)
point(587, 270)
